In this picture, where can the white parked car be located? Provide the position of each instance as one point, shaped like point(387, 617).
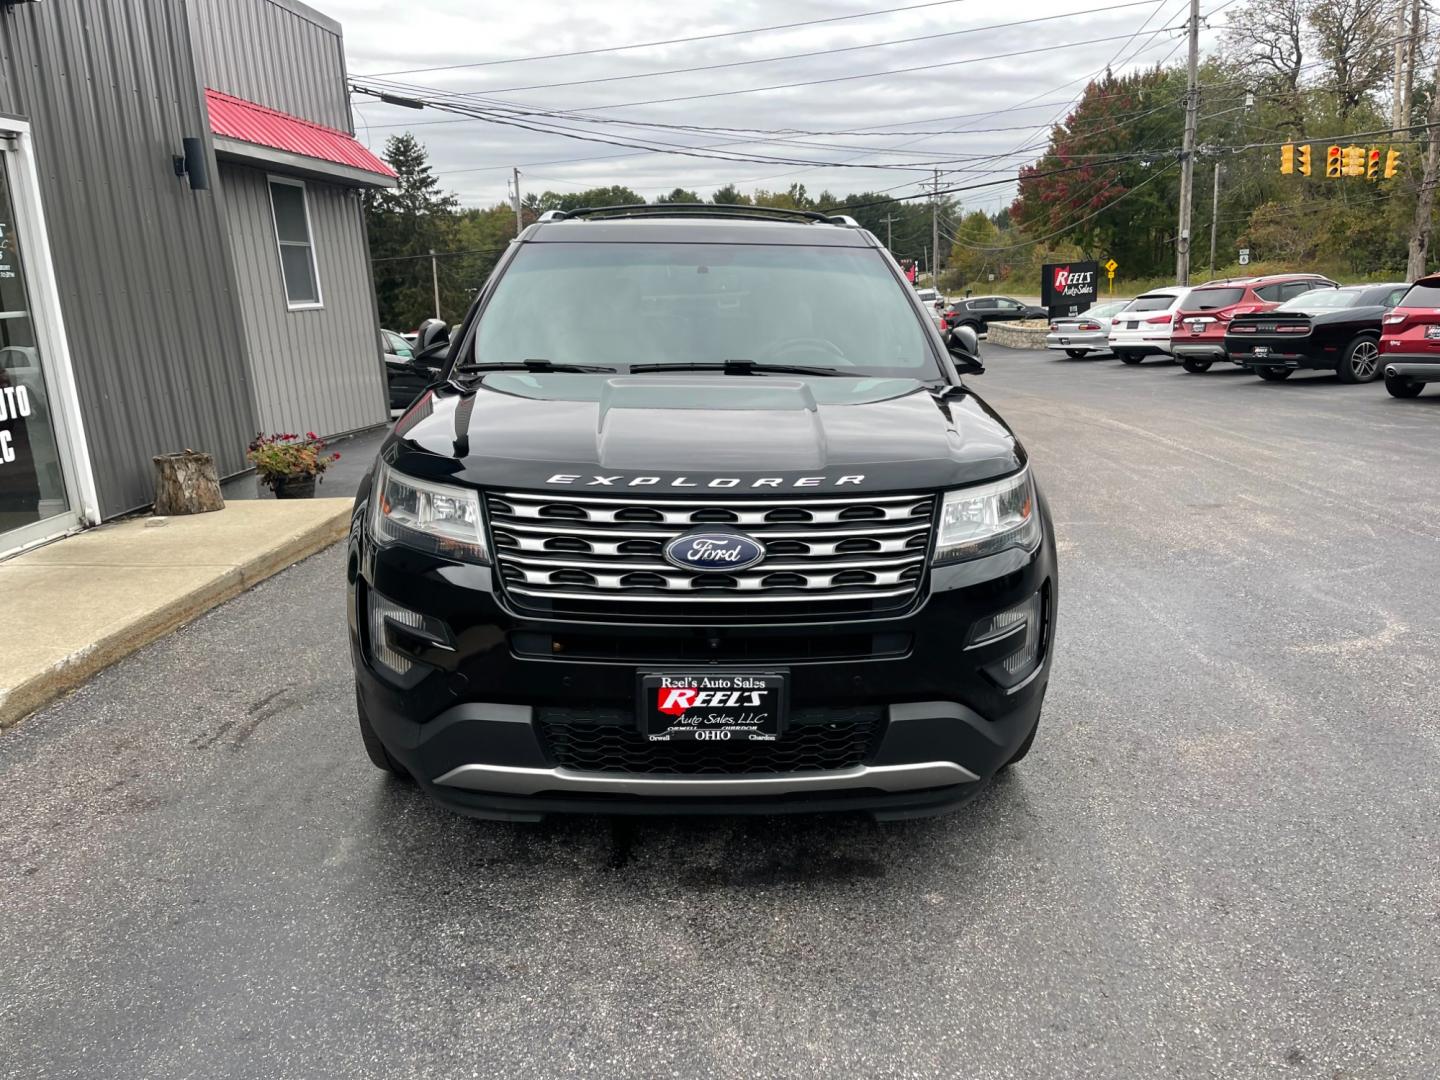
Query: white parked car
point(1142, 328)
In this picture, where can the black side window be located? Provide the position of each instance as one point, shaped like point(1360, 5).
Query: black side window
point(1270, 293)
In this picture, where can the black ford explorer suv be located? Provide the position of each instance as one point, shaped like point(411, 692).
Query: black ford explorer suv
point(721, 544)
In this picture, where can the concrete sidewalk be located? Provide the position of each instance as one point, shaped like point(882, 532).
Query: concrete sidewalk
point(76, 606)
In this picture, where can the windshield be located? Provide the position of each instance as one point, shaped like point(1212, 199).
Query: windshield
point(1321, 300)
point(1210, 299)
point(629, 304)
point(1103, 310)
point(1158, 302)
point(1421, 296)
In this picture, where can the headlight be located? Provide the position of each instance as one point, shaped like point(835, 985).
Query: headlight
point(437, 518)
point(988, 519)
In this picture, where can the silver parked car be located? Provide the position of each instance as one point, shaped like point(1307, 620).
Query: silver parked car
point(1084, 333)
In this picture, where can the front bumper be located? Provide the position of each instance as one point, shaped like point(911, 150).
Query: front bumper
point(1415, 368)
point(472, 728)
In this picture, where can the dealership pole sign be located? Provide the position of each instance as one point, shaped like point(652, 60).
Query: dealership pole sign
point(1068, 288)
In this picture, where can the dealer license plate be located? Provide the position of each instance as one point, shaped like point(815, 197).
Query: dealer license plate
point(1262, 350)
point(713, 706)
point(1064, 341)
point(1132, 324)
point(1432, 332)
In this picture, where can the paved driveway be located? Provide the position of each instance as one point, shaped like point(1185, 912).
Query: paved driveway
point(1222, 859)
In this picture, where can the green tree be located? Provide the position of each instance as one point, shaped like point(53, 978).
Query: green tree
point(680, 195)
point(730, 195)
point(405, 224)
point(614, 195)
point(976, 250)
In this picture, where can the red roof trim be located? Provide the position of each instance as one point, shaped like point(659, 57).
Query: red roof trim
point(236, 118)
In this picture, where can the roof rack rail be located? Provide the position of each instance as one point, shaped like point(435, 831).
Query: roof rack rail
point(721, 210)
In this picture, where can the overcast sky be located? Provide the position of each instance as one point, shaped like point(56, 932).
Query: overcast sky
point(473, 157)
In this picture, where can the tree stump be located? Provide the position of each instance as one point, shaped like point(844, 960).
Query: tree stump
point(186, 483)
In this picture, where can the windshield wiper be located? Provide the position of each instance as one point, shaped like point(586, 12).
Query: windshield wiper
point(539, 367)
point(738, 367)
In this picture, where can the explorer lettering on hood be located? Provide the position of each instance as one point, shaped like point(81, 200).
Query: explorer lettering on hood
point(714, 482)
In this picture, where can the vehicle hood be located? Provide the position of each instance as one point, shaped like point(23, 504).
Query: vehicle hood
point(673, 433)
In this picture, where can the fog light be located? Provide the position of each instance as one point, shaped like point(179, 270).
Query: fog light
point(1023, 625)
point(381, 650)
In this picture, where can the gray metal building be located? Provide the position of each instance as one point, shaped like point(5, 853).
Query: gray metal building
point(144, 311)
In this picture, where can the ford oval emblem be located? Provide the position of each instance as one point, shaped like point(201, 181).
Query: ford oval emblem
point(710, 551)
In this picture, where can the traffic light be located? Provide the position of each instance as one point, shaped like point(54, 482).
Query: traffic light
point(1287, 158)
point(1332, 161)
point(1353, 161)
point(1392, 163)
point(1372, 165)
point(1305, 159)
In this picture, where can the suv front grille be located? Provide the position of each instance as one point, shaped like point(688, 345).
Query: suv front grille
point(817, 740)
point(602, 556)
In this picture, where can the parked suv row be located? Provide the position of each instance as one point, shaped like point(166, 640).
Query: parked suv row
point(1283, 323)
point(1200, 325)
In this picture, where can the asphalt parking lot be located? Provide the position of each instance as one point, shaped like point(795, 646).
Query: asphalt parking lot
point(1220, 860)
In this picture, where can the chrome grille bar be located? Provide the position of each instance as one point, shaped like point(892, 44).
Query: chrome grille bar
point(562, 552)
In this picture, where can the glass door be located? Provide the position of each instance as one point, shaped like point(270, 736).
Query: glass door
point(36, 500)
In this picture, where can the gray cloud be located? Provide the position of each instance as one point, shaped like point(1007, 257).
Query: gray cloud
point(472, 158)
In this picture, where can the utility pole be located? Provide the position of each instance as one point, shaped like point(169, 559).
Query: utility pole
point(889, 233)
point(1214, 217)
point(1187, 152)
point(1397, 111)
point(435, 280)
point(1412, 60)
point(518, 223)
point(1429, 180)
point(935, 231)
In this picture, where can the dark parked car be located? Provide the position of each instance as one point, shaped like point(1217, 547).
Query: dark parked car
point(979, 311)
point(409, 369)
point(694, 548)
point(1321, 330)
point(1198, 337)
point(1410, 342)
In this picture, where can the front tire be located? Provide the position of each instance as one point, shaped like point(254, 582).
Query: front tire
point(1196, 367)
point(375, 749)
point(1076, 354)
point(1274, 374)
point(1361, 362)
point(1402, 387)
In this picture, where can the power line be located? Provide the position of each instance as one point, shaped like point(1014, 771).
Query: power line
point(928, 37)
point(1080, 221)
point(359, 83)
point(673, 41)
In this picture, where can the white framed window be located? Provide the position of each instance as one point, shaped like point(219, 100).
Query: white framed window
point(290, 210)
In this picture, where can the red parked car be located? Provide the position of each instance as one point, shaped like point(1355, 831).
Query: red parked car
point(1198, 337)
point(1410, 339)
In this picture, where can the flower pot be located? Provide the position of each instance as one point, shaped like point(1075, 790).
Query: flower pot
point(294, 486)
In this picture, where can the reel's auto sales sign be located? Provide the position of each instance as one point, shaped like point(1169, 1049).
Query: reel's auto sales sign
point(1069, 285)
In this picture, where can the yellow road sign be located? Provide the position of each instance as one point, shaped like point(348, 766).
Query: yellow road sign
point(1111, 265)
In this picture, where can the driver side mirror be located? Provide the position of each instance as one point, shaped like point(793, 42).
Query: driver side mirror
point(963, 345)
point(432, 339)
